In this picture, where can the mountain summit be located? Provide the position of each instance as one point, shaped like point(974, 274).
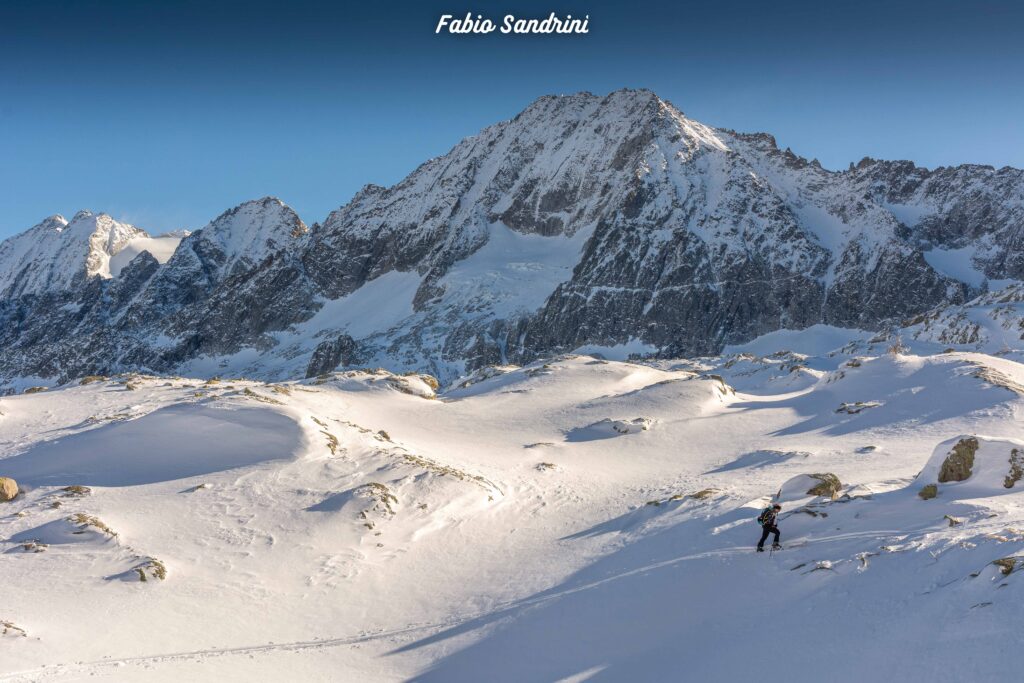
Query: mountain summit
point(608, 223)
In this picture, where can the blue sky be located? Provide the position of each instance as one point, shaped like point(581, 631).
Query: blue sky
point(165, 114)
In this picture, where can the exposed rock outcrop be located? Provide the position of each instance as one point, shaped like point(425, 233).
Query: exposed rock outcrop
point(825, 484)
point(329, 354)
point(973, 466)
point(957, 465)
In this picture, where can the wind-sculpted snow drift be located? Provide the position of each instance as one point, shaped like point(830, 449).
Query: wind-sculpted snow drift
point(576, 518)
point(601, 223)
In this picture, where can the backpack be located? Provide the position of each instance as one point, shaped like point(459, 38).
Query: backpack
point(763, 516)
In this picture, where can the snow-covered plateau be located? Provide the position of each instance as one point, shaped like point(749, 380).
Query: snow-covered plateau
point(573, 519)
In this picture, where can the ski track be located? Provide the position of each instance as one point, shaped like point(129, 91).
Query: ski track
point(59, 670)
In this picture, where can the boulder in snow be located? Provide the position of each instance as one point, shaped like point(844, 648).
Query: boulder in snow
point(957, 465)
point(8, 489)
point(828, 485)
point(824, 484)
point(973, 467)
point(1016, 468)
point(1006, 564)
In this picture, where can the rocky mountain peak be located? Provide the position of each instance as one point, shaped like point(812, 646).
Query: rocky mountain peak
point(56, 254)
point(585, 222)
point(241, 238)
point(106, 238)
point(54, 223)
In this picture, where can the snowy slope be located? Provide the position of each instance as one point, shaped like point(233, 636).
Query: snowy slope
point(992, 322)
point(597, 515)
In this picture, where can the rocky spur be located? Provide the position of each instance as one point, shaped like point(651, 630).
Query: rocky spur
point(511, 24)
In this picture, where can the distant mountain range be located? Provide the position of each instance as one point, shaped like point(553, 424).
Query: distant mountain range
point(609, 224)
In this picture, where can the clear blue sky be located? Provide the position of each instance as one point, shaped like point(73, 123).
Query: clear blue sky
point(165, 114)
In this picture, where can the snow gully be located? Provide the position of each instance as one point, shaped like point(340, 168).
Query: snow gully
point(510, 24)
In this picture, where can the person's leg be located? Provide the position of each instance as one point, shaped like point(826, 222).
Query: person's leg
point(774, 530)
point(764, 536)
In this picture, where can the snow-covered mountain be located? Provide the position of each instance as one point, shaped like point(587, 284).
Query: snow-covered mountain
point(58, 256)
point(609, 224)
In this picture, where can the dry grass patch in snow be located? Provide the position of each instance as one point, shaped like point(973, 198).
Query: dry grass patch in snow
point(9, 628)
point(151, 568)
point(249, 393)
point(380, 494)
point(704, 494)
point(996, 378)
point(447, 470)
point(76, 491)
point(84, 521)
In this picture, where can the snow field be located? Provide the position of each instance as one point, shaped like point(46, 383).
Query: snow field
point(360, 525)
